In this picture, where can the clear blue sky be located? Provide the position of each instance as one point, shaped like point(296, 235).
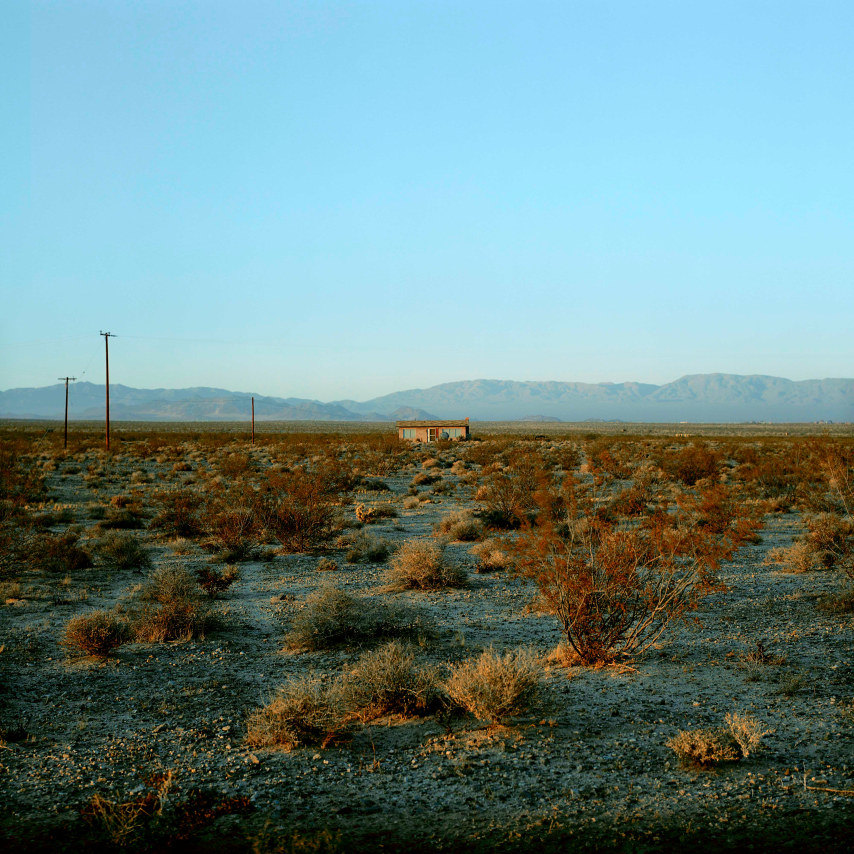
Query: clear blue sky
point(343, 199)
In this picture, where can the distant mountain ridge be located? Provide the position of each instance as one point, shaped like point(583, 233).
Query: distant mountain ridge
point(697, 397)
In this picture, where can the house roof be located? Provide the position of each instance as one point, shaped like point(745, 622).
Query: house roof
point(448, 423)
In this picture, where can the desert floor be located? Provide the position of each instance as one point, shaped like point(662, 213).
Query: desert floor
point(587, 769)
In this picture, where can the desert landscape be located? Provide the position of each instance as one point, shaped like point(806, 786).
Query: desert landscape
point(568, 637)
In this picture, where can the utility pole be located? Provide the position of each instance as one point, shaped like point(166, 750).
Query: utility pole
point(107, 336)
point(66, 408)
point(253, 420)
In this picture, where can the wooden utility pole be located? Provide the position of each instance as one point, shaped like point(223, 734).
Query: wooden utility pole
point(66, 408)
point(253, 420)
point(107, 336)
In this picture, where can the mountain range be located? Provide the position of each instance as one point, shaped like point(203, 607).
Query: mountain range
point(697, 398)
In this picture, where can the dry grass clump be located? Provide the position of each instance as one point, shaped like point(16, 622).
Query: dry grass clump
point(841, 602)
point(123, 551)
point(305, 710)
point(326, 564)
point(389, 681)
point(705, 748)
point(491, 556)
point(411, 502)
point(460, 526)
point(97, 633)
point(332, 616)
point(830, 537)
point(494, 686)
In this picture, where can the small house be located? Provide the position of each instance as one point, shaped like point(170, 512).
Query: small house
point(432, 431)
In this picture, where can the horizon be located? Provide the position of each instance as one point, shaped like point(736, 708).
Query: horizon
point(335, 201)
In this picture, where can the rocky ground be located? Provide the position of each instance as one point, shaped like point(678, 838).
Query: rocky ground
point(589, 769)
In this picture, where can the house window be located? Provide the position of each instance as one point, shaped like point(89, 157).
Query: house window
point(408, 432)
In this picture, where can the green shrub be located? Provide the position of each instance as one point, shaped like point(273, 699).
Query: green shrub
point(97, 633)
point(123, 551)
point(331, 617)
point(422, 565)
point(494, 686)
point(365, 548)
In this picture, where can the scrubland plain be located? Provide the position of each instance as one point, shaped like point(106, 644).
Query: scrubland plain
point(578, 639)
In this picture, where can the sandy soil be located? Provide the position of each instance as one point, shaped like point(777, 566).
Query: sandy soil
point(590, 769)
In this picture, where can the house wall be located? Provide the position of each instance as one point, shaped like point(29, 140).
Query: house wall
point(422, 433)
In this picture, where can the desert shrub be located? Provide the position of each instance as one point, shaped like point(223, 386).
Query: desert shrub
point(97, 633)
point(494, 686)
point(508, 496)
point(689, 465)
point(58, 553)
point(121, 518)
point(374, 513)
point(491, 556)
point(798, 557)
point(460, 526)
point(326, 564)
point(423, 565)
point(424, 479)
point(365, 548)
point(304, 710)
point(123, 551)
point(747, 732)
point(331, 617)
point(169, 584)
point(707, 747)
point(236, 464)
point(183, 619)
point(389, 681)
point(410, 502)
point(20, 482)
point(615, 589)
point(298, 509)
point(840, 602)
point(231, 522)
point(829, 537)
point(179, 516)
point(214, 581)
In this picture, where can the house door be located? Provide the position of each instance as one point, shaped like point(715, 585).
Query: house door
point(431, 434)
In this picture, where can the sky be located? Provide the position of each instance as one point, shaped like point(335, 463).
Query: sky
point(340, 200)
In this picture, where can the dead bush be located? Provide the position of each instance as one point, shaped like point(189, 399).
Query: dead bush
point(494, 686)
point(170, 584)
point(231, 523)
point(798, 557)
point(422, 565)
point(830, 537)
point(389, 681)
point(123, 551)
point(304, 711)
point(97, 633)
point(331, 617)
